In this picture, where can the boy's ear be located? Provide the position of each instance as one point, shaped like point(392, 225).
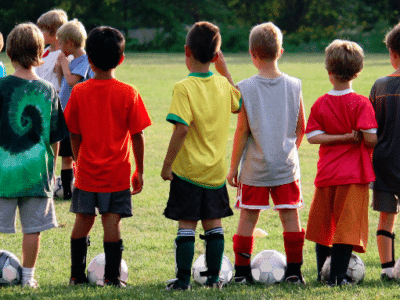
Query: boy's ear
point(121, 59)
point(188, 53)
point(215, 57)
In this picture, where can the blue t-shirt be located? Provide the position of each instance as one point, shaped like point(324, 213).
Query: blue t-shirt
point(2, 70)
point(79, 66)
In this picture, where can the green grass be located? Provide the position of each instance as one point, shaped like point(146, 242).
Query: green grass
point(148, 235)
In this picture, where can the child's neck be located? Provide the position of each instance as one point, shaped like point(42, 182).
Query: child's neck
point(78, 52)
point(269, 69)
point(103, 75)
point(23, 73)
point(341, 86)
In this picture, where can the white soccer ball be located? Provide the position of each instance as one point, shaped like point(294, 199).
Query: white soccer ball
point(96, 270)
point(10, 269)
point(268, 267)
point(58, 188)
point(396, 270)
point(355, 270)
point(225, 275)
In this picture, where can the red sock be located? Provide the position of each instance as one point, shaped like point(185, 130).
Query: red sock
point(294, 242)
point(243, 248)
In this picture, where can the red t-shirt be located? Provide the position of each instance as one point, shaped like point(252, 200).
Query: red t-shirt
point(105, 113)
point(340, 113)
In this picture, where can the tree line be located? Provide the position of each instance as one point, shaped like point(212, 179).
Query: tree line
point(305, 23)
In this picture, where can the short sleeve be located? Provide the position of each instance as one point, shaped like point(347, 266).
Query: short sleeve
point(366, 116)
point(139, 118)
point(83, 69)
point(180, 111)
point(236, 99)
point(71, 114)
point(314, 123)
point(58, 126)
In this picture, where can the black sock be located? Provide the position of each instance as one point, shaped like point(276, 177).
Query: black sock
point(340, 258)
point(322, 252)
point(66, 179)
point(78, 258)
point(113, 253)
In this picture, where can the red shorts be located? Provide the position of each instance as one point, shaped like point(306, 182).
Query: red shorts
point(286, 196)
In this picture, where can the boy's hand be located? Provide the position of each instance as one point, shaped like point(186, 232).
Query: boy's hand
point(220, 64)
point(137, 183)
point(232, 178)
point(166, 173)
point(353, 137)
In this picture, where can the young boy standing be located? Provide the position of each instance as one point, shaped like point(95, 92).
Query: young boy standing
point(101, 146)
point(269, 131)
point(344, 125)
point(385, 97)
point(32, 124)
point(71, 37)
point(195, 161)
point(49, 23)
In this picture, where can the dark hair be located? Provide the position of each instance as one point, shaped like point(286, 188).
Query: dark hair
point(204, 41)
point(105, 47)
point(392, 39)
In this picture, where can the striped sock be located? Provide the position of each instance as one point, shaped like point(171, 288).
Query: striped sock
point(214, 252)
point(184, 252)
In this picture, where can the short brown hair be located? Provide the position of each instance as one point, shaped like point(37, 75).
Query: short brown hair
point(344, 59)
point(73, 31)
point(52, 20)
point(25, 45)
point(204, 41)
point(265, 41)
point(392, 39)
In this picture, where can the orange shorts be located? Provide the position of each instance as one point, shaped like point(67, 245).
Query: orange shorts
point(286, 196)
point(339, 215)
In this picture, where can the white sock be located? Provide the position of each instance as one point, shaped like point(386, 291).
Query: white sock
point(388, 272)
point(27, 274)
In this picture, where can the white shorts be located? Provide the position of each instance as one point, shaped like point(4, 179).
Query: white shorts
point(36, 214)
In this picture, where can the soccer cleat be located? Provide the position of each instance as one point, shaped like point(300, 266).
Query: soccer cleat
point(295, 279)
point(345, 281)
point(244, 280)
point(386, 277)
point(116, 283)
point(173, 285)
point(74, 281)
point(215, 285)
point(32, 283)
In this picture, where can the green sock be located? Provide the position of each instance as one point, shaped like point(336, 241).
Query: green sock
point(214, 253)
point(184, 252)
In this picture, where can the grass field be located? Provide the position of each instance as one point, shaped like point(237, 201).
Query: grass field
point(148, 236)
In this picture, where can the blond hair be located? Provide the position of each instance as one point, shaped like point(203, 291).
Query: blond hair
point(25, 45)
point(344, 59)
point(73, 31)
point(265, 41)
point(392, 39)
point(52, 20)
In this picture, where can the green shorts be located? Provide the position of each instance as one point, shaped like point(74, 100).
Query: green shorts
point(36, 214)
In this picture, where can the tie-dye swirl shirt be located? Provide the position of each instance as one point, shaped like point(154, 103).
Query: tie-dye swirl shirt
point(31, 119)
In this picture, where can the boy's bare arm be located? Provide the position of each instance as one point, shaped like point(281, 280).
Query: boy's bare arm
point(301, 124)
point(76, 140)
point(177, 139)
point(222, 68)
point(370, 139)
point(324, 138)
point(239, 143)
point(138, 152)
point(55, 147)
point(71, 79)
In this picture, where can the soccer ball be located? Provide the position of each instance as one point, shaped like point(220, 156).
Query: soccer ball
point(225, 275)
point(268, 267)
point(58, 188)
point(10, 269)
point(96, 270)
point(396, 270)
point(355, 270)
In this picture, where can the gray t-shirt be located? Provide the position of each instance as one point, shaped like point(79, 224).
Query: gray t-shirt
point(270, 157)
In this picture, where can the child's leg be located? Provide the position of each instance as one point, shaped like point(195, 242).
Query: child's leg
point(67, 176)
point(215, 243)
point(322, 252)
point(79, 244)
point(243, 243)
point(293, 238)
point(341, 254)
point(113, 248)
point(30, 251)
point(184, 251)
point(385, 241)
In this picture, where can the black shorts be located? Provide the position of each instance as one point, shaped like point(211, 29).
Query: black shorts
point(65, 147)
point(188, 201)
point(86, 203)
point(383, 201)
